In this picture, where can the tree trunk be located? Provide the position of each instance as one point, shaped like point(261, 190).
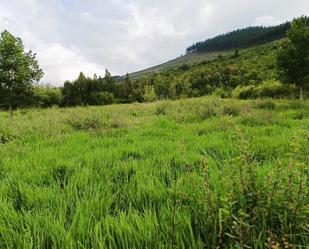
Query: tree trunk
point(11, 111)
point(301, 93)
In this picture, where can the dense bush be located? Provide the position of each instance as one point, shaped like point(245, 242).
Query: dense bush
point(93, 122)
point(244, 92)
point(274, 89)
point(47, 96)
point(267, 89)
point(162, 108)
point(230, 109)
point(104, 98)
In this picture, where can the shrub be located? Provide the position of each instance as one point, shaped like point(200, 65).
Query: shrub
point(267, 89)
point(47, 96)
point(221, 92)
point(207, 111)
point(150, 94)
point(88, 123)
point(119, 122)
point(162, 108)
point(4, 138)
point(296, 104)
point(230, 109)
point(264, 118)
point(105, 98)
point(273, 89)
point(266, 104)
point(244, 92)
point(299, 115)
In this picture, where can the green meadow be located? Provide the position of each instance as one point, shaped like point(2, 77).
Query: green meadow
point(194, 173)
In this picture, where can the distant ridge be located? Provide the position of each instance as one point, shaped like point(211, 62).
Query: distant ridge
point(222, 44)
point(241, 38)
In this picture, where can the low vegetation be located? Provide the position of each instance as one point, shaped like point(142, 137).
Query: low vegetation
point(278, 70)
point(195, 173)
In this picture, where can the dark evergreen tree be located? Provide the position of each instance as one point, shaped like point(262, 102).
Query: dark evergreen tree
point(240, 38)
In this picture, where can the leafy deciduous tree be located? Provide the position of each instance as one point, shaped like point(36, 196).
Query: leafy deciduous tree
point(18, 71)
point(293, 56)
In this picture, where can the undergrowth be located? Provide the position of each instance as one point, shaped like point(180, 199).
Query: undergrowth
point(202, 173)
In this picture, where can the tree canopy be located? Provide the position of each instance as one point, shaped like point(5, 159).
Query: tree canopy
point(18, 71)
point(293, 56)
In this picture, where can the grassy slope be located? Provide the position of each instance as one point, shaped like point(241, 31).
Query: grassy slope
point(188, 59)
point(160, 175)
point(191, 59)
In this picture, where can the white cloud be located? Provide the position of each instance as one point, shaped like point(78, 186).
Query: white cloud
point(70, 36)
point(64, 63)
point(266, 20)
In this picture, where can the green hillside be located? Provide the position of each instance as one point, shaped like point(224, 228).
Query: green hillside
point(185, 59)
point(246, 73)
point(222, 45)
point(195, 58)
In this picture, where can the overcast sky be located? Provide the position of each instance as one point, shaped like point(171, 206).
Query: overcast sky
point(70, 36)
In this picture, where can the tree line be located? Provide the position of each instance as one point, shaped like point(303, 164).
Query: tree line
point(241, 38)
point(256, 72)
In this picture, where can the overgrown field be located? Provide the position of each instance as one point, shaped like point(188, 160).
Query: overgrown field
point(196, 173)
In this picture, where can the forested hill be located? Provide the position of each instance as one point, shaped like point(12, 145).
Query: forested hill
point(241, 38)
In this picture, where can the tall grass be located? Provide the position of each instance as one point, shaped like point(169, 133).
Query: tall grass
point(202, 173)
